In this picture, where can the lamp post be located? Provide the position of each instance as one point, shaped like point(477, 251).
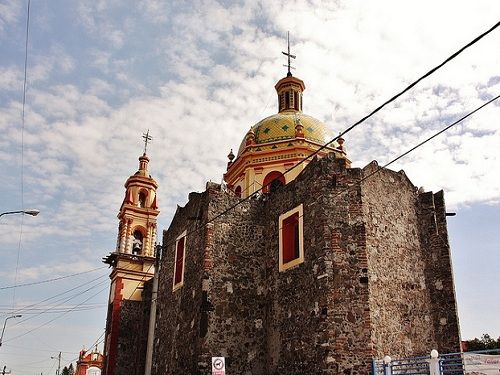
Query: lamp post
point(5, 323)
point(33, 212)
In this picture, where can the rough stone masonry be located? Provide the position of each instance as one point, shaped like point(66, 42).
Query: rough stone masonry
point(376, 279)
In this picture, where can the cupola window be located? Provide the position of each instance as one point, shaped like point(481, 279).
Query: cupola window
point(180, 255)
point(273, 181)
point(237, 191)
point(137, 243)
point(291, 242)
point(142, 199)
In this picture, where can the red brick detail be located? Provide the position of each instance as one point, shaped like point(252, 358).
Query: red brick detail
point(114, 328)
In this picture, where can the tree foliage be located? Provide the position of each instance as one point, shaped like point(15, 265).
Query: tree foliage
point(68, 370)
point(484, 343)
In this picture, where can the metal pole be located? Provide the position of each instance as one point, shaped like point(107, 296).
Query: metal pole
point(28, 212)
point(152, 315)
point(59, 364)
point(5, 323)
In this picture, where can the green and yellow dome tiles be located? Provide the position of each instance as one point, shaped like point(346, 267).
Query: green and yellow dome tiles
point(281, 126)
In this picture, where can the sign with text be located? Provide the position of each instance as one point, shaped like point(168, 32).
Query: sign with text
point(481, 364)
point(218, 366)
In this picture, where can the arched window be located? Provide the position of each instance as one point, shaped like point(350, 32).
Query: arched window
point(273, 181)
point(137, 243)
point(142, 199)
point(93, 371)
point(237, 191)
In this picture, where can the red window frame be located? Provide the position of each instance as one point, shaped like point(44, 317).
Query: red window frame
point(179, 261)
point(291, 243)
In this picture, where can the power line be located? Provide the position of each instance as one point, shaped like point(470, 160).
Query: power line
point(50, 280)
point(57, 317)
point(350, 128)
point(58, 310)
point(66, 300)
point(25, 308)
point(22, 151)
point(357, 123)
point(96, 342)
point(33, 349)
point(380, 168)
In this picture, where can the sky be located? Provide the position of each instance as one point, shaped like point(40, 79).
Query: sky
point(198, 74)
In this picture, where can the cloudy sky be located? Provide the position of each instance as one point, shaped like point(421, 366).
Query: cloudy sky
point(198, 74)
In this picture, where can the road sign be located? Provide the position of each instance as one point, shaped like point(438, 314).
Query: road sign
point(218, 366)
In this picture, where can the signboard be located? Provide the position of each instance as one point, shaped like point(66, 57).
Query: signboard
point(481, 364)
point(218, 366)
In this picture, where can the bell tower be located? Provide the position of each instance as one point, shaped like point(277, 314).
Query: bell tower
point(133, 260)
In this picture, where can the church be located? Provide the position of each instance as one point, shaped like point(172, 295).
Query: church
point(297, 264)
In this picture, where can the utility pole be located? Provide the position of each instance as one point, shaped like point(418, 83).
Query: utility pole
point(58, 371)
point(152, 314)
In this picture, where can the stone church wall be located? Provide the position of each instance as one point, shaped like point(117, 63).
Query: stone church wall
point(370, 284)
point(317, 321)
point(400, 305)
point(176, 346)
point(132, 339)
point(235, 284)
point(438, 272)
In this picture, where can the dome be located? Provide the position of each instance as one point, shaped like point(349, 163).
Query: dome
point(281, 126)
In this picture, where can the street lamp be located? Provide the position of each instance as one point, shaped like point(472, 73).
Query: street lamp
point(5, 323)
point(33, 212)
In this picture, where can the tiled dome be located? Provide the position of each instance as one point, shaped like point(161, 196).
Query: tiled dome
point(281, 126)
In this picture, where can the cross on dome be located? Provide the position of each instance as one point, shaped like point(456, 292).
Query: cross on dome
point(146, 138)
point(289, 74)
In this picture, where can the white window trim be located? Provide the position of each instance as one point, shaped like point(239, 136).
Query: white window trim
point(180, 283)
point(300, 259)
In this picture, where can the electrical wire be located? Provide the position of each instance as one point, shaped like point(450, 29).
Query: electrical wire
point(57, 317)
point(380, 168)
point(22, 152)
point(359, 122)
point(59, 310)
point(66, 300)
point(350, 128)
point(26, 308)
point(50, 280)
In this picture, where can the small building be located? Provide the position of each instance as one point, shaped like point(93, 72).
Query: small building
point(90, 362)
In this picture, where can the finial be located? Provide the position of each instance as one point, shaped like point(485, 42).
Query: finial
point(146, 138)
point(230, 156)
point(299, 128)
point(289, 74)
point(250, 137)
point(341, 141)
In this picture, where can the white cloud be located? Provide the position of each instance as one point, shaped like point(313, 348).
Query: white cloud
point(214, 75)
point(11, 78)
point(10, 10)
point(94, 16)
